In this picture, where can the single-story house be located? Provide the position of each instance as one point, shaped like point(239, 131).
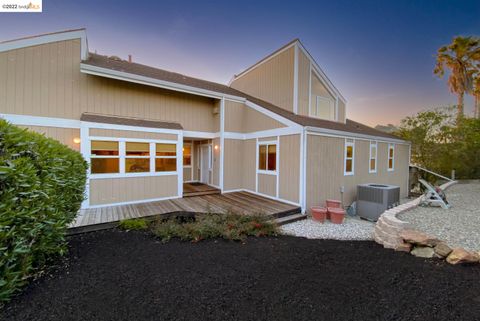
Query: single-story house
point(278, 129)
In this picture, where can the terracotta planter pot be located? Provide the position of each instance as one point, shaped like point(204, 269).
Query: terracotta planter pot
point(333, 204)
point(337, 215)
point(319, 213)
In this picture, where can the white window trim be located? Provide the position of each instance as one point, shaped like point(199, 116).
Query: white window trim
point(349, 143)
point(330, 100)
point(122, 157)
point(373, 143)
point(391, 146)
point(267, 143)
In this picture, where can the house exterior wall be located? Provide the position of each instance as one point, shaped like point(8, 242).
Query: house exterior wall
point(233, 171)
point(117, 190)
point(45, 80)
point(289, 168)
point(243, 119)
point(325, 169)
point(267, 184)
point(249, 164)
point(63, 135)
point(101, 132)
point(271, 80)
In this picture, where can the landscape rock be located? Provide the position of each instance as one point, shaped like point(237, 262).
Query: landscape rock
point(442, 249)
point(462, 256)
point(403, 247)
point(419, 238)
point(423, 251)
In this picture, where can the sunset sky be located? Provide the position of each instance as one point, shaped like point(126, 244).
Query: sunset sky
point(379, 54)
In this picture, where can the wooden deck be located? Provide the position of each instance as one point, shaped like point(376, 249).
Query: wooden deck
point(197, 189)
point(238, 202)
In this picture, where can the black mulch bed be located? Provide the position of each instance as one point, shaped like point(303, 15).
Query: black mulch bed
point(114, 275)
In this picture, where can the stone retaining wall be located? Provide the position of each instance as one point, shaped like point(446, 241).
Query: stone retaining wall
point(388, 227)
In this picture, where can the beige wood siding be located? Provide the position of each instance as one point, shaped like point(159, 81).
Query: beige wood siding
point(45, 80)
point(303, 83)
point(342, 111)
point(267, 139)
point(116, 190)
point(63, 135)
point(249, 164)
point(271, 80)
point(187, 174)
point(325, 169)
point(267, 184)
point(289, 166)
point(243, 119)
point(233, 171)
point(130, 134)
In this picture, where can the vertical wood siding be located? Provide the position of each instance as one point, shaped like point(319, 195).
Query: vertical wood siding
point(303, 83)
point(289, 167)
point(45, 80)
point(63, 135)
point(267, 184)
point(249, 164)
point(271, 80)
point(325, 169)
point(116, 190)
point(243, 119)
point(233, 164)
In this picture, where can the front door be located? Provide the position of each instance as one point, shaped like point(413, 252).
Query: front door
point(205, 163)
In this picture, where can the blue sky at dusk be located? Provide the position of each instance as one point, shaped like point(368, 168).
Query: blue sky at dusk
point(379, 54)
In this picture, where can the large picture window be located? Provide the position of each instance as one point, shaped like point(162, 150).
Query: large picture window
point(373, 158)
point(132, 157)
point(105, 157)
point(323, 107)
point(349, 165)
point(267, 157)
point(391, 157)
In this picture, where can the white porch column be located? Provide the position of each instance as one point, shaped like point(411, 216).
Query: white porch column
point(180, 163)
point(222, 141)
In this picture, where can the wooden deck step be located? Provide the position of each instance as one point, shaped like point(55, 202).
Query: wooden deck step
point(201, 193)
point(290, 219)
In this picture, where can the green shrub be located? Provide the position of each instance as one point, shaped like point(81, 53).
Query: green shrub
point(41, 189)
point(228, 226)
point(133, 224)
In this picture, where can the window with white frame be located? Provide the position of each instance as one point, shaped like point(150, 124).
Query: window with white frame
point(372, 164)
point(165, 157)
point(267, 157)
point(187, 154)
point(391, 157)
point(349, 157)
point(132, 157)
point(105, 157)
point(323, 107)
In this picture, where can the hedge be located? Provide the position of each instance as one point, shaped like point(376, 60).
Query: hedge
point(42, 186)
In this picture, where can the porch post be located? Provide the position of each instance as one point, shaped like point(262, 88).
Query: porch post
point(85, 151)
point(222, 140)
point(180, 163)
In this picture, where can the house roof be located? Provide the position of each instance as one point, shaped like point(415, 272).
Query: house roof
point(147, 71)
point(129, 121)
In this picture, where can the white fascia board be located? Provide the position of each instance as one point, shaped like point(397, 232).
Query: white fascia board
point(125, 76)
point(263, 133)
point(260, 62)
point(49, 38)
point(321, 72)
point(273, 115)
point(27, 120)
point(204, 135)
point(342, 134)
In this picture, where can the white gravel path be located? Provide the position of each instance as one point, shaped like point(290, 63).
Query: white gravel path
point(351, 229)
point(459, 226)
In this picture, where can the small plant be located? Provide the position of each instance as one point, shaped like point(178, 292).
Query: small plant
point(228, 226)
point(133, 224)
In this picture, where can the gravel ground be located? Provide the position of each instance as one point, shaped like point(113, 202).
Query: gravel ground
point(115, 275)
point(459, 226)
point(351, 229)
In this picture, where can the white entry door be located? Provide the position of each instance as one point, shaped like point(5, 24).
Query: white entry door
point(205, 163)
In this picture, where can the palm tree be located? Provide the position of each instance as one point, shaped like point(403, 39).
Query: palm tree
point(476, 94)
point(458, 58)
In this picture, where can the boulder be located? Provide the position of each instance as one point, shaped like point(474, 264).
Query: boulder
point(418, 238)
point(423, 251)
point(462, 256)
point(403, 247)
point(442, 249)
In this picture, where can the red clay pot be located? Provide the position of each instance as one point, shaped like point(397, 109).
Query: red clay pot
point(333, 203)
point(337, 215)
point(319, 213)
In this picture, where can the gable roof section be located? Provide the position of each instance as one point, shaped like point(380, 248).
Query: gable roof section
point(131, 68)
point(128, 121)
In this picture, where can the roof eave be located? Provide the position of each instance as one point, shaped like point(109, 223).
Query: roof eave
point(334, 132)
